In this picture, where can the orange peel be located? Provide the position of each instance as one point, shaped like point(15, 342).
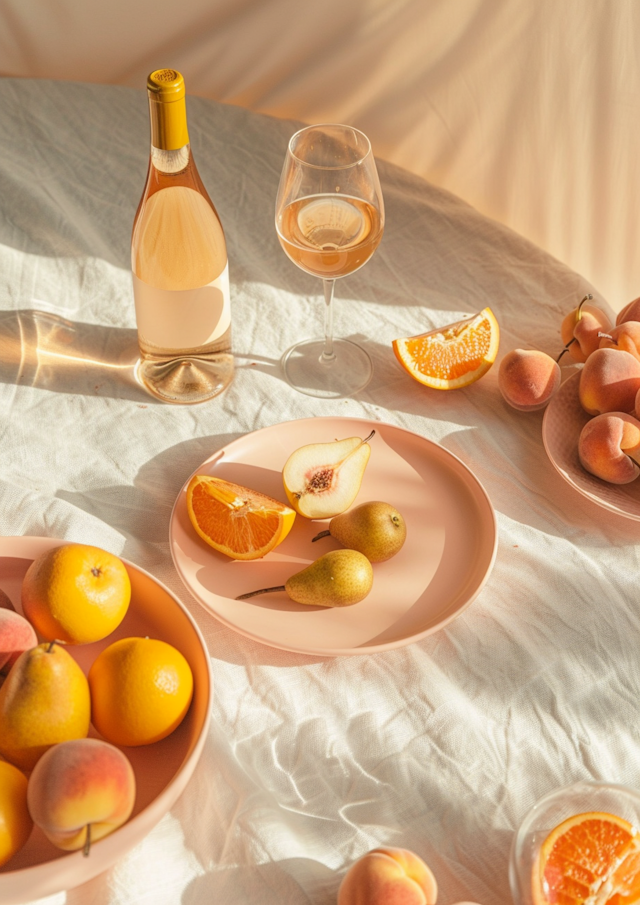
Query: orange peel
point(453, 356)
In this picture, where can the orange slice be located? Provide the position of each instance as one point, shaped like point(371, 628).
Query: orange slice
point(237, 521)
point(591, 858)
point(453, 356)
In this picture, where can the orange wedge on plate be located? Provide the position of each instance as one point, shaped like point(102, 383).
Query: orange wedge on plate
point(237, 521)
point(591, 858)
point(453, 356)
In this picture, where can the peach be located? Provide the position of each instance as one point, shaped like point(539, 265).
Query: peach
point(630, 312)
point(625, 338)
point(80, 791)
point(5, 601)
point(609, 382)
point(609, 447)
point(388, 876)
point(528, 379)
point(16, 636)
point(579, 330)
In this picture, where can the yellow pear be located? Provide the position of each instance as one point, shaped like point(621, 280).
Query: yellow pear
point(44, 700)
point(339, 578)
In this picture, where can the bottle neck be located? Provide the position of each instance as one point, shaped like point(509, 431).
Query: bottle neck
point(168, 124)
point(171, 161)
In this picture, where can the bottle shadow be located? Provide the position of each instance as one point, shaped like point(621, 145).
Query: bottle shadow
point(44, 350)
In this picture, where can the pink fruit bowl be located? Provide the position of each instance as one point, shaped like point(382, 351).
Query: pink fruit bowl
point(40, 869)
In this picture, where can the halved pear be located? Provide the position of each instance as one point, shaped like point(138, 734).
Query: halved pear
point(323, 479)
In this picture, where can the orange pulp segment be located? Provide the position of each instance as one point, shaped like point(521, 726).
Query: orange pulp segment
point(237, 521)
point(452, 356)
point(591, 858)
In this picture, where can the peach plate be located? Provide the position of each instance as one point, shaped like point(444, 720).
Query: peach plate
point(563, 420)
point(448, 555)
point(162, 770)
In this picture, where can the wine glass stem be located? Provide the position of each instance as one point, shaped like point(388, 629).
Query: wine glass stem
point(328, 354)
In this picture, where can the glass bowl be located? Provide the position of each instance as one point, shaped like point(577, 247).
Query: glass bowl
point(546, 814)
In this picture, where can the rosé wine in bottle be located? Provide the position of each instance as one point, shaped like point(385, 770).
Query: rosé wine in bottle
point(179, 263)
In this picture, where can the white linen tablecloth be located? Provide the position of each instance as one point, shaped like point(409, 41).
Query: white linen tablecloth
point(440, 747)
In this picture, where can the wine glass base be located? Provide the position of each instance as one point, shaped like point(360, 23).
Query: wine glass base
point(307, 371)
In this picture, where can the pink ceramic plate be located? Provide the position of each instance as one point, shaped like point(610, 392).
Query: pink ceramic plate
point(163, 769)
point(563, 420)
point(450, 547)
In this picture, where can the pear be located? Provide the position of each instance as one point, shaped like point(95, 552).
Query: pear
point(339, 578)
point(323, 479)
point(44, 700)
point(374, 529)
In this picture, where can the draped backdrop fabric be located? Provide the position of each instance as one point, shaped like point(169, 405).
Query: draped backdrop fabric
point(441, 746)
point(527, 109)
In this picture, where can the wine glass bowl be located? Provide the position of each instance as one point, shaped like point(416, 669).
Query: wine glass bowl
point(549, 812)
point(329, 220)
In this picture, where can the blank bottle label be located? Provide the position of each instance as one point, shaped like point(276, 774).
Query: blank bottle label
point(182, 318)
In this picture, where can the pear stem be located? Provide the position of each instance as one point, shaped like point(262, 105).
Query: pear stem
point(587, 298)
point(50, 648)
point(318, 536)
point(261, 591)
point(355, 448)
point(87, 842)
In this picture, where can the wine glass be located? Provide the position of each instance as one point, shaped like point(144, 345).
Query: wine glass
point(329, 220)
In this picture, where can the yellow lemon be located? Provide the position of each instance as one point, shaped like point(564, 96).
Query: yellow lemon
point(15, 822)
point(140, 691)
point(76, 593)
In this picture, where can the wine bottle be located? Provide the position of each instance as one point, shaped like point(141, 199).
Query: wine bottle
point(179, 263)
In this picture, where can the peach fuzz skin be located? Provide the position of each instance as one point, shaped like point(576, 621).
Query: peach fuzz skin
point(528, 379)
point(625, 338)
point(388, 876)
point(584, 327)
point(609, 447)
point(16, 636)
point(80, 783)
point(609, 382)
point(630, 312)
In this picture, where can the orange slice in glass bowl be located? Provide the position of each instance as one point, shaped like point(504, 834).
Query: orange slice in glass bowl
point(589, 859)
point(453, 356)
point(237, 521)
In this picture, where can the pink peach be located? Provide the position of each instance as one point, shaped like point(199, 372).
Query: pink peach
point(16, 636)
point(609, 447)
point(5, 601)
point(80, 791)
point(625, 338)
point(630, 312)
point(528, 379)
point(609, 382)
point(388, 876)
point(581, 328)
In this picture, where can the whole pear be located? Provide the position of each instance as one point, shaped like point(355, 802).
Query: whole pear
point(339, 578)
point(44, 700)
point(375, 529)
